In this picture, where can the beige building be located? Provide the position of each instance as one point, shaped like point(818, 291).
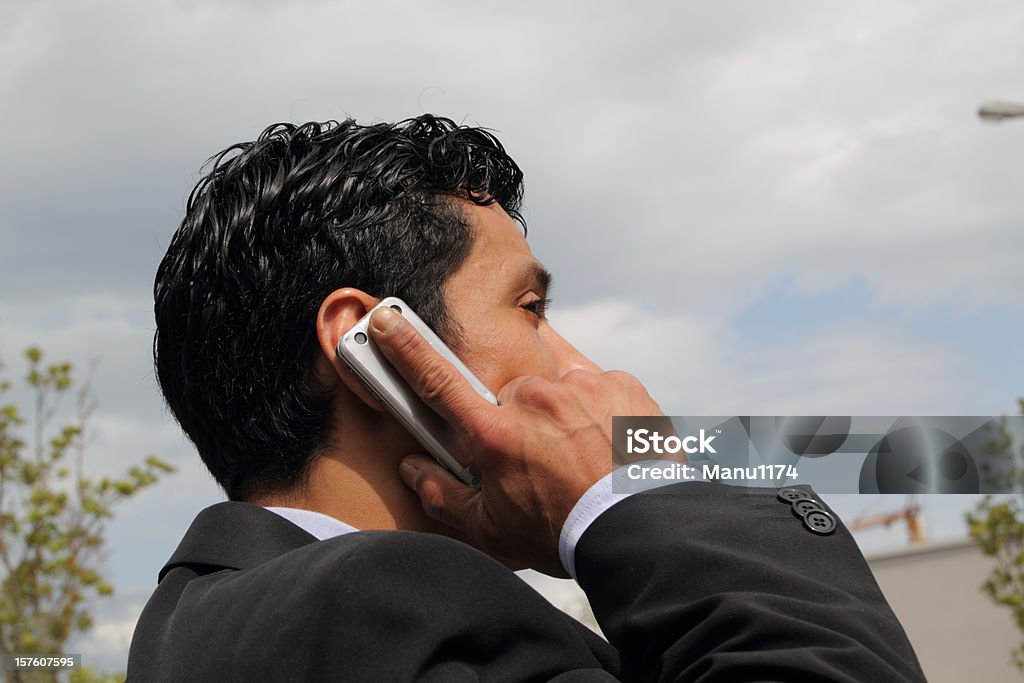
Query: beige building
point(958, 632)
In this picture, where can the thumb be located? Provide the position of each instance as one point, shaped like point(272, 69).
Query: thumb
point(442, 496)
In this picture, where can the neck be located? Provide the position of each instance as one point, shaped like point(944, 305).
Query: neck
point(356, 478)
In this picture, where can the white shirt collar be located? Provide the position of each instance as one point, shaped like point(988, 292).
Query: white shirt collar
point(315, 523)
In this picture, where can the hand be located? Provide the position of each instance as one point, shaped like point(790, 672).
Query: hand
point(535, 453)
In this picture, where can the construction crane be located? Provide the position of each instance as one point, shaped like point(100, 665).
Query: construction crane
point(909, 513)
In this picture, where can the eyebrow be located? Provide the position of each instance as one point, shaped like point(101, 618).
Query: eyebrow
point(538, 275)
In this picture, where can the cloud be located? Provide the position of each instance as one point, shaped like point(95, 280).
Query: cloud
point(696, 365)
point(113, 332)
point(823, 141)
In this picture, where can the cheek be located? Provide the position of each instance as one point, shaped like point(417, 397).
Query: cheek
point(526, 356)
point(483, 350)
point(501, 358)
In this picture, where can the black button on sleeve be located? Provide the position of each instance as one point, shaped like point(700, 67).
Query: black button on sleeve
point(820, 522)
point(791, 494)
point(804, 506)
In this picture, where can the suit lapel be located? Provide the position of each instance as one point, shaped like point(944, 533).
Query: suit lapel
point(233, 535)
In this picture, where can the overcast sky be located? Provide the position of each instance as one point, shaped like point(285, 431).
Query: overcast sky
point(757, 208)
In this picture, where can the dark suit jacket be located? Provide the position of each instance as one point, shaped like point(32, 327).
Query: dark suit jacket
point(704, 584)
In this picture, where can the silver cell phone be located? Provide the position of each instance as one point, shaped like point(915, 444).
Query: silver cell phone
point(358, 352)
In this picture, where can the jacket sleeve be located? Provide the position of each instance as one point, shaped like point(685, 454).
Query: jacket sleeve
point(707, 582)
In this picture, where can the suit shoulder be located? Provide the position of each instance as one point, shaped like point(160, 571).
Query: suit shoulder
point(337, 605)
point(395, 554)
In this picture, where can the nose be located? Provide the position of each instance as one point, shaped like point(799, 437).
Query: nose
point(567, 357)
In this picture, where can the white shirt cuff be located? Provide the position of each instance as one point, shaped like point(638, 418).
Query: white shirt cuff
point(589, 507)
point(597, 499)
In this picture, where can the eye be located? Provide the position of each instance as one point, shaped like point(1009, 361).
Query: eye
point(538, 307)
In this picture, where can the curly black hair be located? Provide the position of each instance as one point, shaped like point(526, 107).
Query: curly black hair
point(273, 227)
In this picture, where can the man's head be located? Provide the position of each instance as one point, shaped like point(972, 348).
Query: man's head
point(269, 232)
point(289, 238)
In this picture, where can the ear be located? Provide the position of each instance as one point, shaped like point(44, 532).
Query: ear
point(338, 313)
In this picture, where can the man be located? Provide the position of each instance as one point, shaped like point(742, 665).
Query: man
point(319, 568)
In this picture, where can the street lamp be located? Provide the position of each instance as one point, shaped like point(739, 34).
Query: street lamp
point(995, 111)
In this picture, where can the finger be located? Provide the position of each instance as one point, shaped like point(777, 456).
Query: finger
point(434, 379)
point(442, 496)
point(530, 390)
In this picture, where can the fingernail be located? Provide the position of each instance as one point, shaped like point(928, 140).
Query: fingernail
point(409, 470)
point(384, 319)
